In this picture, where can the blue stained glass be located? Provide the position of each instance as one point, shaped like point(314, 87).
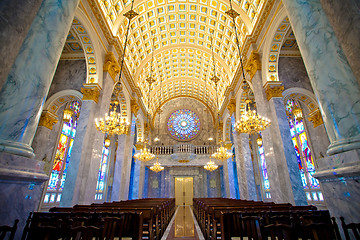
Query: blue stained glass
point(100, 185)
point(265, 176)
point(183, 124)
point(73, 132)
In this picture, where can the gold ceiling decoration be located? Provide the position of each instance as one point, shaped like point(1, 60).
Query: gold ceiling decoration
point(182, 30)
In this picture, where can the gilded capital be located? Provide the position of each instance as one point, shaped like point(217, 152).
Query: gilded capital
point(232, 106)
point(253, 64)
point(134, 107)
point(273, 89)
point(48, 119)
point(316, 118)
point(228, 145)
point(91, 92)
point(111, 65)
point(139, 145)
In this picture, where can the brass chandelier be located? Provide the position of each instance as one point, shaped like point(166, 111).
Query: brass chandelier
point(221, 154)
point(250, 122)
point(211, 166)
point(115, 124)
point(144, 155)
point(156, 167)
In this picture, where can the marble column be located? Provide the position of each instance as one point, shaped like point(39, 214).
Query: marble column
point(80, 183)
point(332, 79)
point(16, 17)
point(281, 161)
point(23, 94)
point(141, 180)
point(344, 18)
point(244, 167)
point(120, 190)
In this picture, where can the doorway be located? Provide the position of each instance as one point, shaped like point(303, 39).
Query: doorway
point(184, 191)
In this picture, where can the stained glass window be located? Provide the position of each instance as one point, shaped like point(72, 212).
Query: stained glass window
point(183, 124)
point(100, 185)
point(62, 157)
point(303, 153)
point(264, 173)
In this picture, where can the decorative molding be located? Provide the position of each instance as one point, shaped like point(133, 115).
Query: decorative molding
point(134, 106)
point(232, 106)
point(48, 119)
point(316, 118)
point(111, 65)
point(273, 89)
point(91, 92)
point(253, 64)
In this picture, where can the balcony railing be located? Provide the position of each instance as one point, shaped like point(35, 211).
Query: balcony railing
point(183, 148)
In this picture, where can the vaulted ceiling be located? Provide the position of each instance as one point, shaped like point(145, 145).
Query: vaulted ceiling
point(178, 34)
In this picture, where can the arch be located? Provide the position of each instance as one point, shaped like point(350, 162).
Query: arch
point(302, 95)
point(92, 50)
point(272, 46)
point(54, 103)
point(227, 128)
point(140, 128)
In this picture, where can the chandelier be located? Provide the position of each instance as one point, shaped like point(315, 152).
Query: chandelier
point(156, 167)
point(114, 123)
point(144, 155)
point(251, 122)
point(221, 153)
point(210, 166)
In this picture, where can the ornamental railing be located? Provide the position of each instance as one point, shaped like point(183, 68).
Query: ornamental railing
point(183, 148)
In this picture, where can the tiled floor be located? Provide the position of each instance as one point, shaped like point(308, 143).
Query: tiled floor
point(183, 226)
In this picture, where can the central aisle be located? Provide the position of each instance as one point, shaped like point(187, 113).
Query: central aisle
point(183, 226)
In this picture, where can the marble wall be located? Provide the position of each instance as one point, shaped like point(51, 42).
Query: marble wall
point(70, 74)
point(292, 73)
point(344, 18)
point(16, 17)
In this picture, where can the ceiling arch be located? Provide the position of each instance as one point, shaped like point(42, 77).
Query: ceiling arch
point(183, 32)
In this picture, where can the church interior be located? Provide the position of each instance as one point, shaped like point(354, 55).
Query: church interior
point(183, 103)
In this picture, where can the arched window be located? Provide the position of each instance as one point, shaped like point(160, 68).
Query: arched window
point(102, 174)
point(263, 172)
point(62, 157)
point(303, 153)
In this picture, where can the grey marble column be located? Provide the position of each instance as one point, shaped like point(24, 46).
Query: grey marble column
point(281, 161)
point(120, 190)
point(80, 183)
point(244, 166)
point(23, 94)
point(335, 86)
point(141, 180)
point(16, 17)
point(344, 18)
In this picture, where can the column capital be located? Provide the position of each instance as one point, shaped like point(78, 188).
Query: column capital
point(111, 65)
point(273, 89)
point(139, 145)
point(48, 119)
point(134, 106)
point(315, 117)
point(91, 92)
point(253, 64)
point(232, 106)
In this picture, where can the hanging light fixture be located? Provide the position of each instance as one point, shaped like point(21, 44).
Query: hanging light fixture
point(250, 122)
point(297, 112)
point(211, 166)
point(157, 166)
point(115, 124)
point(107, 142)
point(221, 153)
point(67, 114)
point(145, 155)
